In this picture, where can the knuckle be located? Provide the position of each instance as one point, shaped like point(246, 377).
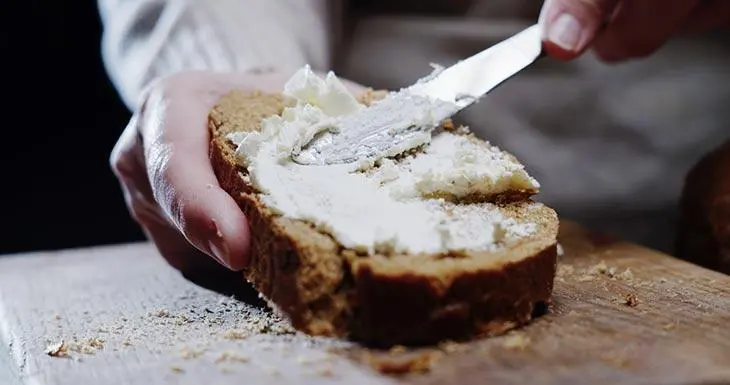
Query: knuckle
point(117, 163)
point(122, 164)
point(122, 159)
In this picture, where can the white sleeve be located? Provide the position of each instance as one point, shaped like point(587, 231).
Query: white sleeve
point(147, 39)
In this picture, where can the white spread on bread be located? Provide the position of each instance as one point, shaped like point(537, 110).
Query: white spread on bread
point(402, 121)
point(387, 205)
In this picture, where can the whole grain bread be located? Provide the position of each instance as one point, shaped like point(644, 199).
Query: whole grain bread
point(325, 289)
point(704, 226)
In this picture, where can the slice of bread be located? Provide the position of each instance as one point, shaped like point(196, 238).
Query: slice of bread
point(382, 298)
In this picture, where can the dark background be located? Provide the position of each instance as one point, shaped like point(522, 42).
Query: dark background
point(61, 118)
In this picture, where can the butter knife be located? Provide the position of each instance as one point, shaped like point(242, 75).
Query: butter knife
point(458, 87)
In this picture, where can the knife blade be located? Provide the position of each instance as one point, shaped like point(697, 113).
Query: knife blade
point(376, 129)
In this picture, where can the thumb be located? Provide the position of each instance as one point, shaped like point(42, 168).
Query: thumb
point(570, 26)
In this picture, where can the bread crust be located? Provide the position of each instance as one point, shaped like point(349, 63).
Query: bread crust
point(327, 290)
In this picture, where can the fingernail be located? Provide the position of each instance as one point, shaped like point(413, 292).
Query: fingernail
point(565, 32)
point(220, 251)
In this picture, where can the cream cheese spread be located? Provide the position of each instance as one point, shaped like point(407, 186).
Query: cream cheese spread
point(386, 205)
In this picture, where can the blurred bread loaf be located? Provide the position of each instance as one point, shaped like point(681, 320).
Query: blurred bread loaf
point(704, 228)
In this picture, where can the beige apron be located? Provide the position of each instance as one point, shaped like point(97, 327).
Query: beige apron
point(610, 144)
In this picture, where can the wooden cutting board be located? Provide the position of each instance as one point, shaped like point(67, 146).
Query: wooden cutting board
point(621, 314)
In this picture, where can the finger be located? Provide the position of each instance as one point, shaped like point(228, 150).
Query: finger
point(708, 15)
point(570, 26)
point(183, 182)
point(127, 163)
point(179, 253)
point(138, 197)
point(640, 28)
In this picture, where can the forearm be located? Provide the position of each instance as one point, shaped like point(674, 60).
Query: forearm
point(148, 39)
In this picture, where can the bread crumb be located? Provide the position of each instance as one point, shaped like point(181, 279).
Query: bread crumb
point(602, 268)
point(217, 229)
point(182, 320)
point(413, 363)
point(231, 356)
point(448, 125)
point(669, 326)
point(631, 300)
point(96, 343)
point(303, 360)
point(564, 270)
point(161, 313)
point(56, 316)
point(516, 341)
point(57, 350)
point(177, 369)
point(88, 346)
point(126, 342)
point(188, 353)
point(662, 280)
point(462, 130)
point(626, 275)
point(233, 334)
point(371, 95)
point(599, 268)
point(451, 346)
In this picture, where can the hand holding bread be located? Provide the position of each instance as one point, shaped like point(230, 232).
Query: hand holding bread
point(161, 161)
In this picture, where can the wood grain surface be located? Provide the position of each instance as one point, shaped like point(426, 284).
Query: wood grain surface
point(621, 314)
